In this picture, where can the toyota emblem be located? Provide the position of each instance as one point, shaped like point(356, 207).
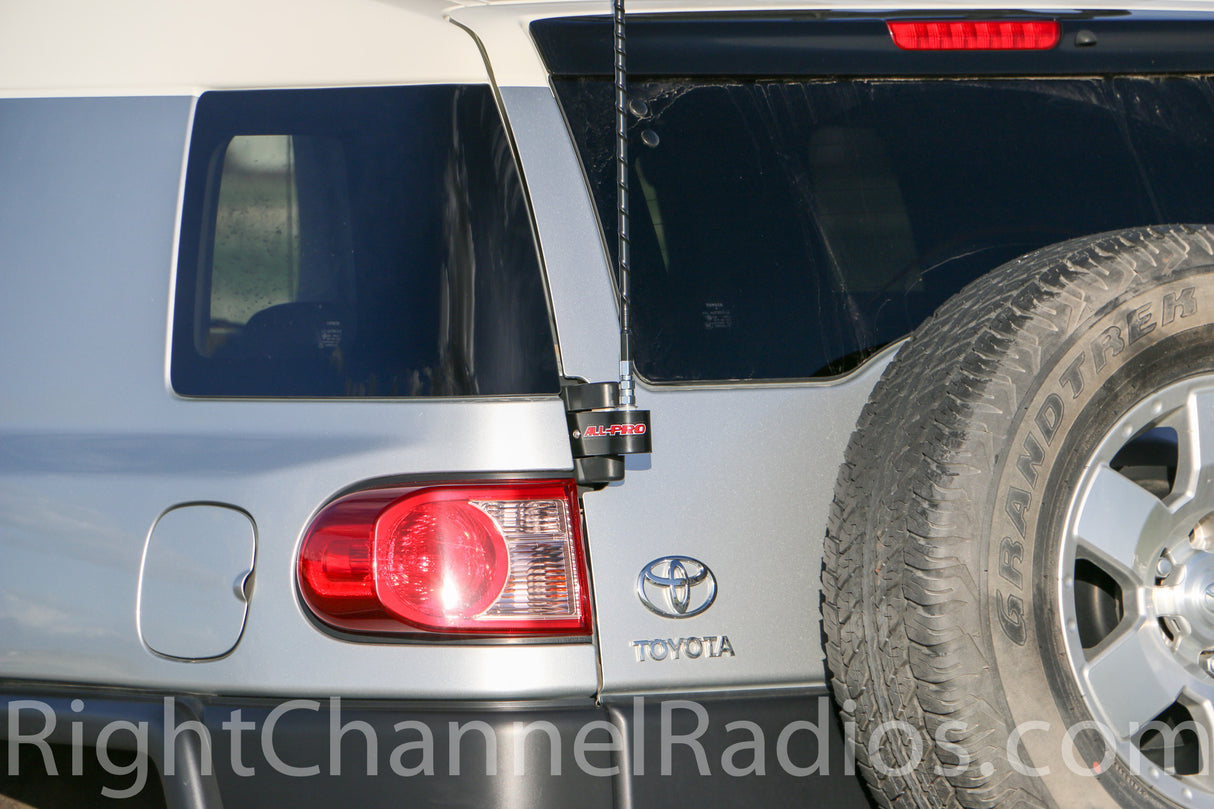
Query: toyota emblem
point(676, 586)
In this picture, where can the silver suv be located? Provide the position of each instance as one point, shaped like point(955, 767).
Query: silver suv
point(318, 484)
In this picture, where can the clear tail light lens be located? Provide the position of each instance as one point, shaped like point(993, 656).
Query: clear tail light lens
point(973, 35)
point(502, 559)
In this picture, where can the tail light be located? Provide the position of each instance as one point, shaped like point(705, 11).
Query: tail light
point(966, 35)
point(502, 559)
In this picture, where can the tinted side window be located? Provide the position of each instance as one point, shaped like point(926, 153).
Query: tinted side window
point(357, 242)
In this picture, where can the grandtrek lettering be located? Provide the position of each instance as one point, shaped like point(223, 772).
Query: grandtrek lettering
point(1010, 554)
point(1016, 506)
point(691, 648)
point(1011, 617)
point(1185, 302)
point(1139, 322)
point(1135, 324)
point(1109, 343)
point(608, 431)
point(1031, 459)
point(1049, 417)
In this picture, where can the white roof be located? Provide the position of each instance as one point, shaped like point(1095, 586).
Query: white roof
point(71, 47)
point(74, 47)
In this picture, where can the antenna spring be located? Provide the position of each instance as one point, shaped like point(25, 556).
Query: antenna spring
point(624, 274)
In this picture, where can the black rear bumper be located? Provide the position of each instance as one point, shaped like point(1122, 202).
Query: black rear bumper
point(191, 752)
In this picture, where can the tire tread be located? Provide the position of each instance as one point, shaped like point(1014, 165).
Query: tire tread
point(901, 602)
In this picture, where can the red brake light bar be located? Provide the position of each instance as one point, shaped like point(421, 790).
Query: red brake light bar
point(969, 35)
point(490, 559)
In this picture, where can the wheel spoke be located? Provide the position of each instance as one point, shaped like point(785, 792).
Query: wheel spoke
point(1202, 715)
point(1122, 522)
point(1134, 678)
point(1194, 425)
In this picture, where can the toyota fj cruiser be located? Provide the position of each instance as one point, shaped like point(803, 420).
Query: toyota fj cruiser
point(367, 437)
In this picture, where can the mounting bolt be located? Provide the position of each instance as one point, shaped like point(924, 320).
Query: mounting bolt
point(1206, 659)
point(1164, 566)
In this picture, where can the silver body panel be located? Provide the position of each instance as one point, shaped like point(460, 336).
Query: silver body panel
point(95, 449)
point(744, 485)
point(579, 281)
point(94, 446)
point(740, 478)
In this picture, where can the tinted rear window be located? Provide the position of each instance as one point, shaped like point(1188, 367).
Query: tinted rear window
point(357, 242)
point(786, 230)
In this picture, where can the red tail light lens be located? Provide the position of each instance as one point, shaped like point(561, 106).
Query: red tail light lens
point(965, 35)
point(438, 560)
point(487, 559)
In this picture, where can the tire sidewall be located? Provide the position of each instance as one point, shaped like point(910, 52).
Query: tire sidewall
point(1103, 364)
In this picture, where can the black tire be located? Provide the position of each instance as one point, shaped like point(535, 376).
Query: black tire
point(956, 604)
